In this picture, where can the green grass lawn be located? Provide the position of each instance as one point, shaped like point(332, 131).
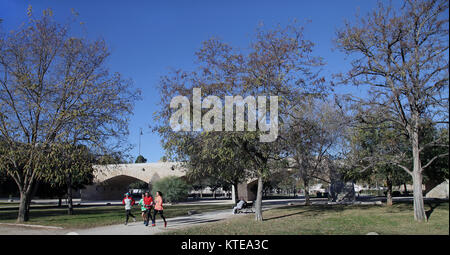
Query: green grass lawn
point(330, 220)
point(87, 217)
point(2, 204)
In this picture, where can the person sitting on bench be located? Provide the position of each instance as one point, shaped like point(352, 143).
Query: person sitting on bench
point(239, 205)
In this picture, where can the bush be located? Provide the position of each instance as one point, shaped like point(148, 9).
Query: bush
point(138, 185)
point(396, 193)
point(173, 188)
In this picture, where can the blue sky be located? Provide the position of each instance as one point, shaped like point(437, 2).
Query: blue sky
point(147, 38)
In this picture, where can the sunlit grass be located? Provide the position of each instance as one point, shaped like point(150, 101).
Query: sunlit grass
point(87, 217)
point(330, 220)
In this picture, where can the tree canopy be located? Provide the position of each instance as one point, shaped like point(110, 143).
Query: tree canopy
point(56, 89)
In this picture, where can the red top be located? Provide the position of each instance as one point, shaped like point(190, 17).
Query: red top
point(148, 201)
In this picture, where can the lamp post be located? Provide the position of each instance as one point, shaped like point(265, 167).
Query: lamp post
point(140, 134)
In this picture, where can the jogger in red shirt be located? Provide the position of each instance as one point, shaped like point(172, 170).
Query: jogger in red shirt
point(148, 203)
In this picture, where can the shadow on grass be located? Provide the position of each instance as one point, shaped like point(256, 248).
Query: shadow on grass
point(78, 213)
point(182, 222)
point(287, 215)
point(101, 213)
point(433, 205)
point(317, 210)
point(403, 206)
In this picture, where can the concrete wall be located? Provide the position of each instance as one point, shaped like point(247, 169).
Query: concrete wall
point(440, 191)
point(111, 181)
point(247, 190)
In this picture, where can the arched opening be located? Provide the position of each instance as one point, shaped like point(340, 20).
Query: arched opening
point(111, 189)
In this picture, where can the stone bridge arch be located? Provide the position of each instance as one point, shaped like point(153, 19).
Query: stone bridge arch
point(111, 181)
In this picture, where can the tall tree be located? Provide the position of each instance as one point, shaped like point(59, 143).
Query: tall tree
point(373, 147)
point(54, 88)
point(278, 62)
point(312, 136)
point(403, 57)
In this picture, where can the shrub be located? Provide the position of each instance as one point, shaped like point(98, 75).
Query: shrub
point(138, 185)
point(173, 188)
point(396, 193)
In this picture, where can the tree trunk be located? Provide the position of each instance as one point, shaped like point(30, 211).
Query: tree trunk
point(69, 195)
point(234, 193)
point(389, 192)
point(69, 201)
point(59, 201)
point(23, 215)
point(258, 205)
point(419, 209)
point(26, 194)
point(378, 188)
point(406, 190)
point(307, 198)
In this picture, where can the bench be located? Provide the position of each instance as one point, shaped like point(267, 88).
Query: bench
point(248, 207)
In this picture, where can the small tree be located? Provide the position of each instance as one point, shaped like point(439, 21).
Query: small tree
point(69, 166)
point(373, 146)
point(173, 188)
point(140, 159)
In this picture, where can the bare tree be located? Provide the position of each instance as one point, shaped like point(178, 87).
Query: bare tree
point(402, 55)
point(312, 136)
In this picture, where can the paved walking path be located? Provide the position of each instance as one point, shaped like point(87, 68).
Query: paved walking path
point(48, 203)
point(138, 228)
point(133, 228)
